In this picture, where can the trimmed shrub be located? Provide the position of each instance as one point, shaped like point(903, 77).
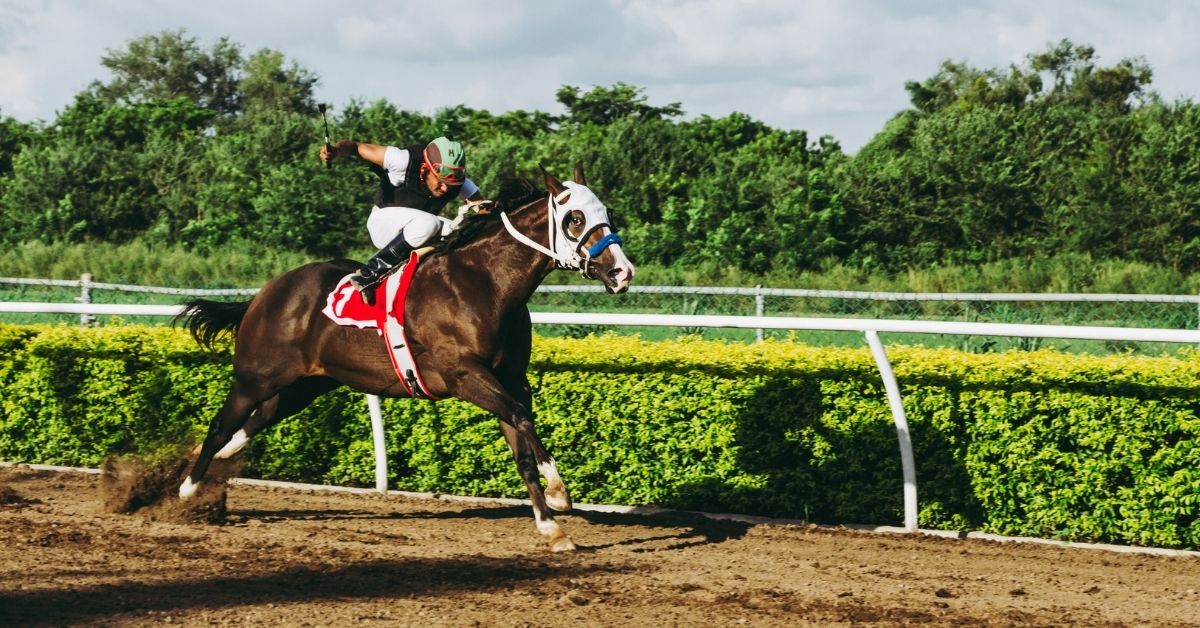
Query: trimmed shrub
point(1033, 443)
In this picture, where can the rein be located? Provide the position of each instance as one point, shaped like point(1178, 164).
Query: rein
point(562, 261)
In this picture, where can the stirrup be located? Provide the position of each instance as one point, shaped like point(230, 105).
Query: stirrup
point(368, 277)
point(365, 287)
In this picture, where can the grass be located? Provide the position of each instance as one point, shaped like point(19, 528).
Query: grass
point(245, 265)
point(240, 265)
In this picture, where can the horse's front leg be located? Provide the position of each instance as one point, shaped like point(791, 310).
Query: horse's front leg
point(543, 500)
point(482, 388)
point(527, 445)
point(556, 493)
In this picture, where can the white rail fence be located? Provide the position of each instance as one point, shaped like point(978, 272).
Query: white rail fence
point(870, 328)
point(86, 287)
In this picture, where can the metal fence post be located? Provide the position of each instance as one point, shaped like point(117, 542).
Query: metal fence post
point(760, 306)
point(907, 464)
point(85, 297)
point(380, 441)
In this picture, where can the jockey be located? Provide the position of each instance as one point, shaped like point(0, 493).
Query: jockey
point(415, 183)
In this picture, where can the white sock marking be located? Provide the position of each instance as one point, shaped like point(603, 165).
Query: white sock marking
point(234, 445)
point(550, 472)
point(546, 526)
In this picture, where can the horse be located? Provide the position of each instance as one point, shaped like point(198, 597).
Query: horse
point(468, 328)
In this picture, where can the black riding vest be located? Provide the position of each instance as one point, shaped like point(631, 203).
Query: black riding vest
point(412, 192)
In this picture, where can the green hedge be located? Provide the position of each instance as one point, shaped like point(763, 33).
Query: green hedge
point(1039, 444)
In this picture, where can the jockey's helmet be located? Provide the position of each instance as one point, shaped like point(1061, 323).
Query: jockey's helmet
point(447, 161)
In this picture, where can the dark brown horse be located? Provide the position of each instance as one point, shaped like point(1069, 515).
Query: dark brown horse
point(468, 327)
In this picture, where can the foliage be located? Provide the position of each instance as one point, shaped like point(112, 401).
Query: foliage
point(268, 85)
point(605, 105)
point(238, 264)
point(172, 65)
point(14, 135)
point(249, 264)
point(1031, 443)
point(1055, 156)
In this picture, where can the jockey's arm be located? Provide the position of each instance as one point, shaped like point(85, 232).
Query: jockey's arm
point(371, 152)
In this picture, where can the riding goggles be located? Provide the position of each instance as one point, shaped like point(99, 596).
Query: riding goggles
point(450, 175)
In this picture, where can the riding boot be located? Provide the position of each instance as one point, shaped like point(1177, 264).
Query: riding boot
point(379, 266)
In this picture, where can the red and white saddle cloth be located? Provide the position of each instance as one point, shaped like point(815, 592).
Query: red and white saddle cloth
point(345, 306)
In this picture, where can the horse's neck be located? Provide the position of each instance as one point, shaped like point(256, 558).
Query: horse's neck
point(517, 269)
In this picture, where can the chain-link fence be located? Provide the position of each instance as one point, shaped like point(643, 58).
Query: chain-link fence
point(1110, 310)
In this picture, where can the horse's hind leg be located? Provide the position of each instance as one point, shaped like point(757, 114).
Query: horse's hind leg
point(254, 423)
point(230, 418)
point(291, 399)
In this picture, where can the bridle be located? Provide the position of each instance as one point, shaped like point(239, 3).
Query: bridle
point(566, 250)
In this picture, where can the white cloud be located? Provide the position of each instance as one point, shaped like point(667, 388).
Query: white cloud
point(39, 77)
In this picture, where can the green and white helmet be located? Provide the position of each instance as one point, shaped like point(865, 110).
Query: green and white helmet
point(447, 160)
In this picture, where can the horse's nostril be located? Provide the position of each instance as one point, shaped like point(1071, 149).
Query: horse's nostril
point(615, 273)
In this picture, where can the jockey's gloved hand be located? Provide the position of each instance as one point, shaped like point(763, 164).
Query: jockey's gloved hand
point(345, 148)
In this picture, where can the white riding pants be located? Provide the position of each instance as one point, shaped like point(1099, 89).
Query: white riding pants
point(419, 227)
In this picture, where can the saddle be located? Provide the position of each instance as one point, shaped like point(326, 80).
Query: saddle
point(345, 306)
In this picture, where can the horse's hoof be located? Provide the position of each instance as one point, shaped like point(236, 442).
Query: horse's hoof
point(562, 544)
point(188, 488)
point(558, 500)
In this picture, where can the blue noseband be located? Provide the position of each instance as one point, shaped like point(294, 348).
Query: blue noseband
point(604, 242)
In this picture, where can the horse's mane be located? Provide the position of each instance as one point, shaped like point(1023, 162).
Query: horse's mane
point(512, 193)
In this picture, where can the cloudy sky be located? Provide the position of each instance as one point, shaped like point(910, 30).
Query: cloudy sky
point(825, 66)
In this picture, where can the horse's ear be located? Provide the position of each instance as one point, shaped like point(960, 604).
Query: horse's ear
point(579, 174)
point(556, 186)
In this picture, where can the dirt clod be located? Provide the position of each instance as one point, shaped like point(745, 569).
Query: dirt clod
point(9, 496)
point(149, 487)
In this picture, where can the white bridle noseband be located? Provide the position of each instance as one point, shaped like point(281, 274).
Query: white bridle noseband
point(565, 250)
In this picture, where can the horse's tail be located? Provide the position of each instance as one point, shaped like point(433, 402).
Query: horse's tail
point(208, 320)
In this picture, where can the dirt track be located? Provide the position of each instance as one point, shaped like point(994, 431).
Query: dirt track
point(287, 557)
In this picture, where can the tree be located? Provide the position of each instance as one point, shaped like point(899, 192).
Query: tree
point(1071, 69)
point(89, 176)
point(961, 86)
point(604, 105)
point(1078, 81)
point(171, 64)
point(128, 124)
point(14, 135)
point(267, 85)
point(474, 126)
point(380, 122)
point(995, 164)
